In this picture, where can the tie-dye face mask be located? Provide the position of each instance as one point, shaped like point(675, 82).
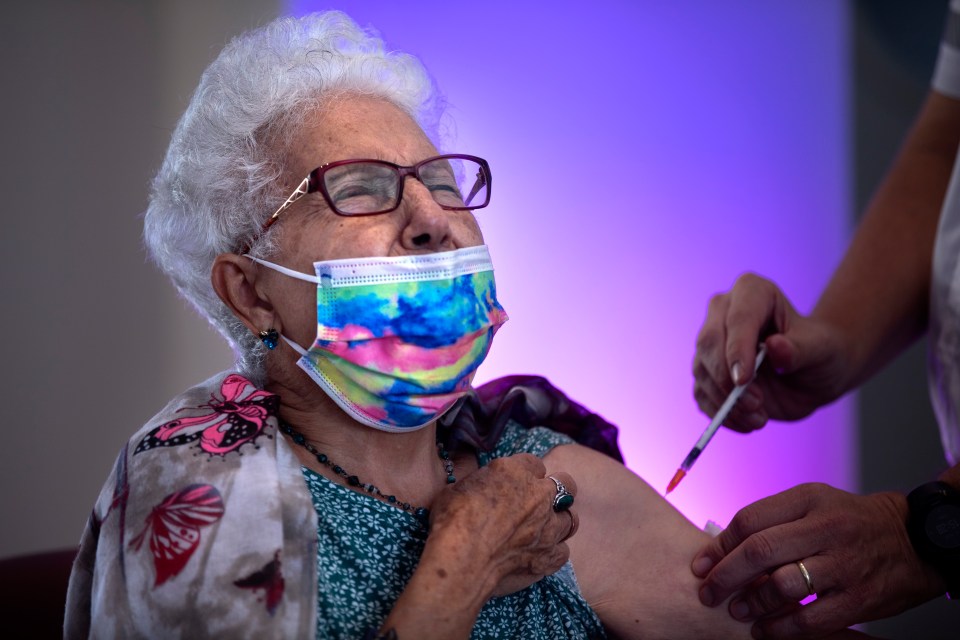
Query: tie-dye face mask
point(400, 338)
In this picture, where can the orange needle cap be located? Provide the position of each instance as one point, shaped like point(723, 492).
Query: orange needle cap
point(677, 477)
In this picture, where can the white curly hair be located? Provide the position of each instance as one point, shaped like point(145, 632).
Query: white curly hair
point(218, 182)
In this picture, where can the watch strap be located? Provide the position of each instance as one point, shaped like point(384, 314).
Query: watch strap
point(934, 529)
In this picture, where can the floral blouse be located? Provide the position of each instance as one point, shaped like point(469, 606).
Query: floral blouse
point(377, 547)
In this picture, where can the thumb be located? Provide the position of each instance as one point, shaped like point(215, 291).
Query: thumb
point(797, 350)
point(783, 354)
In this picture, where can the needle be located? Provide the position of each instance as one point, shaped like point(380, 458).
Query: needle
point(711, 429)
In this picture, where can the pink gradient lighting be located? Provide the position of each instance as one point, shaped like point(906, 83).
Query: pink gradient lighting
point(645, 154)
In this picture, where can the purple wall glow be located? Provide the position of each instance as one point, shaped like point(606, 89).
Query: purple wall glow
point(645, 154)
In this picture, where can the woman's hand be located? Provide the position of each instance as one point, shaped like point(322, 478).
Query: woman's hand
point(854, 548)
point(492, 533)
point(504, 514)
point(806, 365)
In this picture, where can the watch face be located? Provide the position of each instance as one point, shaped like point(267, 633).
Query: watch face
point(943, 526)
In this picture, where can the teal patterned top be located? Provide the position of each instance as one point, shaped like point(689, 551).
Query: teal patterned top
point(368, 551)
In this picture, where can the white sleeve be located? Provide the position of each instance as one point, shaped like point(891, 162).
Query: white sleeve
point(946, 75)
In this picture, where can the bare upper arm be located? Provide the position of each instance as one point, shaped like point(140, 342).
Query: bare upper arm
point(632, 554)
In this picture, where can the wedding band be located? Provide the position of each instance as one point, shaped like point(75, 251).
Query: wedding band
point(806, 578)
point(564, 499)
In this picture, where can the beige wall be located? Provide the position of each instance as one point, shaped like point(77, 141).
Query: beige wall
point(94, 339)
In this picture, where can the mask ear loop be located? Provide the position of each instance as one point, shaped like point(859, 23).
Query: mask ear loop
point(294, 346)
point(293, 274)
point(284, 270)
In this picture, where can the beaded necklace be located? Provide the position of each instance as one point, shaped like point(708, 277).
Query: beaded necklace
point(420, 513)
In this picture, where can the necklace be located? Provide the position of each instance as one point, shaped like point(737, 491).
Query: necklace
point(420, 513)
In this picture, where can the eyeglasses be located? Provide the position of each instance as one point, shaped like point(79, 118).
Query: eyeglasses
point(369, 187)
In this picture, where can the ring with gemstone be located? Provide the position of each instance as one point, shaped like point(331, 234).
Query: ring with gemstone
point(564, 499)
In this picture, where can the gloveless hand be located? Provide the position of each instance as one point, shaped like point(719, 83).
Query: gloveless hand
point(503, 516)
point(854, 548)
point(806, 366)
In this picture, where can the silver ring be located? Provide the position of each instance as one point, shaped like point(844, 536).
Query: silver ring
point(806, 578)
point(564, 499)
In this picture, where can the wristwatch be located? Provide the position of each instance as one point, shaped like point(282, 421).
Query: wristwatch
point(934, 528)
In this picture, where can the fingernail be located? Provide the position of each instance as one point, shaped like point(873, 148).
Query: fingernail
point(739, 609)
point(735, 372)
point(706, 596)
point(701, 566)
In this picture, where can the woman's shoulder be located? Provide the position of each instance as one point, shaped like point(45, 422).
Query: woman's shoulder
point(217, 437)
point(530, 401)
point(205, 493)
point(218, 416)
point(517, 438)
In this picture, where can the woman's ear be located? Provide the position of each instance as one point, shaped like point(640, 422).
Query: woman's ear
point(234, 278)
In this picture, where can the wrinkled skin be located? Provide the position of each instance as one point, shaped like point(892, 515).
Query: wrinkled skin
point(504, 511)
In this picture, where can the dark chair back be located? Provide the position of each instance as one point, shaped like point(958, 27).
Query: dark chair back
point(33, 592)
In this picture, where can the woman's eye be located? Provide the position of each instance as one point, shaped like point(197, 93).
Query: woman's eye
point(446, 194)
point(345, 192)
point(361, 192)
point(452, 188)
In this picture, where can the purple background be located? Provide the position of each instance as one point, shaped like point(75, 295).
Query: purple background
point(645, 154)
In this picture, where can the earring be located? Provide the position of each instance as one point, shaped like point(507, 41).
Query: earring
point(270, 337)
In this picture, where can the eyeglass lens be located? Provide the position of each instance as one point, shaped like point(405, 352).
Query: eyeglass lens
point(371, 187)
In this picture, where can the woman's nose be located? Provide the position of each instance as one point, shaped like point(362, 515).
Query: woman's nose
point(427, 224)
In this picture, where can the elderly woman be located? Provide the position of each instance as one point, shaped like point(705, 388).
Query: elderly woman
point(336, 485)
